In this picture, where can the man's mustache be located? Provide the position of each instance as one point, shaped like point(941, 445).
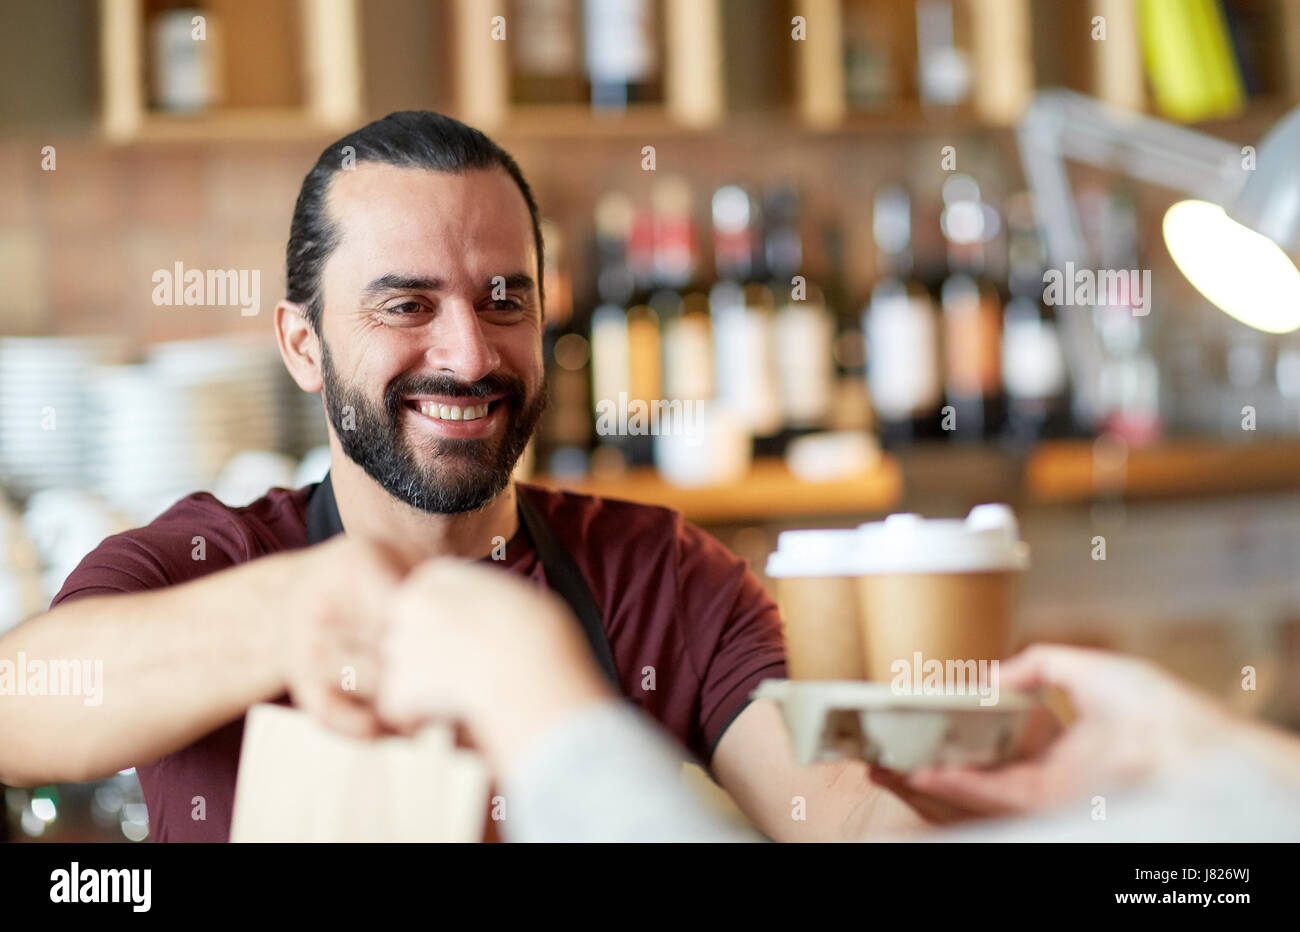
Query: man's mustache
point(512, 389)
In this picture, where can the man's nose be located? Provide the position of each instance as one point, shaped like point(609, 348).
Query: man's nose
point(460, 347)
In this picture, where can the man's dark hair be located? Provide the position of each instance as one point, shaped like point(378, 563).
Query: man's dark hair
point(409, 138)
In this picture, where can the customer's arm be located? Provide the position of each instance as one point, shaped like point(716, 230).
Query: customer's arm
point(1134, 724)
point(180, 661)
point(604, 772)
point(576, 763)
point(1179, 769)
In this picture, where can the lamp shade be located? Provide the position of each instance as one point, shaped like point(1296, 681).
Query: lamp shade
point(1237, 258)
point(1269, 202)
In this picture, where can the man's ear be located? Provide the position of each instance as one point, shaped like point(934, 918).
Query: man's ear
point(299, 345)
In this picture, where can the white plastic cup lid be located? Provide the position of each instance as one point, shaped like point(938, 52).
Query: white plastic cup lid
point(815, 553)
point(988, 540)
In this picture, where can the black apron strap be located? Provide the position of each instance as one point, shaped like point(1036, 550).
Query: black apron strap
point(562, 573)
point(323, 520)
point(564, 577)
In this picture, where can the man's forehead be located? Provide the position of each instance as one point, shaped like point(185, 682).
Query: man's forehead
point(398, 201)
point(382, 179)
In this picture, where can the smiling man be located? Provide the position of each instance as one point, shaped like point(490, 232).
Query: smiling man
point(415, 308)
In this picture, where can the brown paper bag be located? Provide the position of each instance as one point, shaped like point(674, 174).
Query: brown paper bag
point(299, 781)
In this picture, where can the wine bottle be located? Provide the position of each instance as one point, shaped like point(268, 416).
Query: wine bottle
point(565, 433)
point(741, 311)
point(901, 329)
point(851, 409)
point(546, 61)
point(683, 312)
point(1033, 358)
point(972, 317)
point(805, 331)
point(622, 54)
point(610, 368)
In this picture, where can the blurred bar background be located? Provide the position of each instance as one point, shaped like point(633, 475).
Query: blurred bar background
point(808, 214)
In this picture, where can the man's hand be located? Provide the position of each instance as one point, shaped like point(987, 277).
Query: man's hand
point(1133, 721)
point(335, 603)
point(476, 644)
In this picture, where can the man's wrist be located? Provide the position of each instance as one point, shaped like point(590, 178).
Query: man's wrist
point(268, 615)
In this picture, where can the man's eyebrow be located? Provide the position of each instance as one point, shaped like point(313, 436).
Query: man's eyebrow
point(396, 281)
point(519, 281)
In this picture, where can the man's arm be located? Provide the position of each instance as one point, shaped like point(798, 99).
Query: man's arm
point(181, 661)
point(736, 639)
point(832, 801)
point(176, 663)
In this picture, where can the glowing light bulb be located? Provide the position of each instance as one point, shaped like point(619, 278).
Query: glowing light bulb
point(1241, 272)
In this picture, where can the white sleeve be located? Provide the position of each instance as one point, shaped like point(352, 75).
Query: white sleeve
point(1222, 795)
point(606, 773)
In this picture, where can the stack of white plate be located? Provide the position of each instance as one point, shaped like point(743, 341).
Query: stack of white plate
point(166, 428)
point(313, 466)
point(64, 525)
point(248, 376)
point(247, 477)
point(145, 455)
point(22, 590)
point(44, 417)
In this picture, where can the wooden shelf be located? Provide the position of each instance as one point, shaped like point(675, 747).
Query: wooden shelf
point(913, 117)
point(537, 123)
point(581, 121)
point(1056, 473)
point(327, 38)
point(769, 491)
point(577, 122)
point(269, 123)
point(1076, 471)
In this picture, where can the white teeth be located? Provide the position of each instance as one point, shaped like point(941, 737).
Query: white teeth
point(453, 412)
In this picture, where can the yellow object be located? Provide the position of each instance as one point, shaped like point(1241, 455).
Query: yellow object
point(1194, 73)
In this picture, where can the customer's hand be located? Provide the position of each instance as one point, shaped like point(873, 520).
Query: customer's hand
point(474, 643)
point(333, 599)
point(1133, 721)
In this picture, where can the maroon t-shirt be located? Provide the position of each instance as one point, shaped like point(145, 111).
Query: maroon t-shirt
point(671, 597)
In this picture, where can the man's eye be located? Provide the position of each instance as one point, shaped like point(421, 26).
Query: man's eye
point(506, 304)
point(406, 307)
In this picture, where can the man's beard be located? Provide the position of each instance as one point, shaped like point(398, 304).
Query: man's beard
point(456, 474)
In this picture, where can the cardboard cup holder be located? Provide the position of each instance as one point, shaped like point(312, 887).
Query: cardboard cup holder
point(837, 719)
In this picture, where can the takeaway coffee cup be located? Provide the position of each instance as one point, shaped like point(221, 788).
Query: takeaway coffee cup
point(937, 589)
point(815, 573)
